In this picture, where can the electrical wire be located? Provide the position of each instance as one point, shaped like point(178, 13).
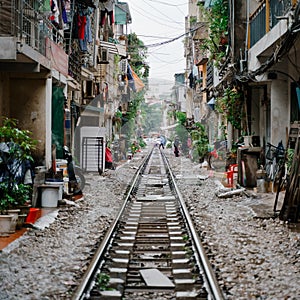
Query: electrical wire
point(153, 36)
point(146, 15)
point(174, 60)
point(163, 14)
point(174, 39)
point(282, 49)
point(168, 4)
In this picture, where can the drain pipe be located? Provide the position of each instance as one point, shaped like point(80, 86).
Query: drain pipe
point(247, 30)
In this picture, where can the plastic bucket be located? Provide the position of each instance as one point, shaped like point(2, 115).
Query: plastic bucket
point(50, 196)
point(59, 184)
point(261, 186)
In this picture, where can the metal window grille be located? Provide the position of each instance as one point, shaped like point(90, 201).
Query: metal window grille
point(92, 154)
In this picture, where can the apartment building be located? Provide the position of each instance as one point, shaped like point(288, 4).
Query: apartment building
point(251, 60)
point(272, 68)
point(62, 72)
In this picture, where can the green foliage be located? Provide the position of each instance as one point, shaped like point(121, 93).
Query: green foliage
point(223, 129)
point(9, 132)
point(193, 20)
point(181, 117)
point(16, 146)
point(142, 143)
point(185, 237)
point(217, 19)
point(150, 116)
point(231, 105)
point(200, 141)
point(102, 281)
point(138, 56)
point(116, 70)
point(12, 196)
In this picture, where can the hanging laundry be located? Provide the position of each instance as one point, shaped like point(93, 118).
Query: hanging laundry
point(46, 6)
point(54, 17)
point(81, 26)
point(86, 3)
point(87, 35)
point(64, 12)
point(107, 9)
point(139, 85)
point(134, 82)
point(75, 27)
point(130, 78)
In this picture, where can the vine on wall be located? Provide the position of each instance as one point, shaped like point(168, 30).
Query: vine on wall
point(231, 104)
point(217, 18)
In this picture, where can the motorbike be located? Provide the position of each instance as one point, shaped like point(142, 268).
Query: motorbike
point(75, 174)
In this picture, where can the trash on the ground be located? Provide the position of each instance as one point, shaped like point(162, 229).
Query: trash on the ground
point(230, 194)
point(154, 277)
point(68, 202)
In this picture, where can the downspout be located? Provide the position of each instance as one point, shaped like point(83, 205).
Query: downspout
point(230, 129)
point(247, 43)
point(232, 20)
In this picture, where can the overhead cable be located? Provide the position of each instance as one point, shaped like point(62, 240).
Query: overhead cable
point(173, 39)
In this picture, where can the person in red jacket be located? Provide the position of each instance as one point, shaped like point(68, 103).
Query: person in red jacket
point(108, 159)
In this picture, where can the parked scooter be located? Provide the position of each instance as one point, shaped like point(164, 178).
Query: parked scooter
point(75, 174)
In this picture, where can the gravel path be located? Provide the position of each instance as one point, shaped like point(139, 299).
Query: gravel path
point(255, 258)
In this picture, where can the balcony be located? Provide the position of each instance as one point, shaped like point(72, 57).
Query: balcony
point(26, 31)
point(266, 16)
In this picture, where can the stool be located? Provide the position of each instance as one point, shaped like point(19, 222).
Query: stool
point(233, 169)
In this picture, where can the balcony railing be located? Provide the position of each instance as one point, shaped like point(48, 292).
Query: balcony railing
point(27, 21)
point(278, 9)
point(265, 17)
point(258, 24)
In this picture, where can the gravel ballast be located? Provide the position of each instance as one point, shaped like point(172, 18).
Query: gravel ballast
point(255, 258)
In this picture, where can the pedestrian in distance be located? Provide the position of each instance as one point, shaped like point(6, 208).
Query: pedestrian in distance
point(176, 147)
point(162, 142)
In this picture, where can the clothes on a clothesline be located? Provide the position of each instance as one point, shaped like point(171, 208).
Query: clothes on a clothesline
point(107, 9)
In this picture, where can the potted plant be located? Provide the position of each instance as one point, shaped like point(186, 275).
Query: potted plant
point(15, 158)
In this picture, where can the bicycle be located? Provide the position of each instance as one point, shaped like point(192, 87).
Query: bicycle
point(281, 180)
point(275, 157)
point(217, 154)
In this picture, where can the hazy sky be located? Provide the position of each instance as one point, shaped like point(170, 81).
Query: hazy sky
point(156, 22)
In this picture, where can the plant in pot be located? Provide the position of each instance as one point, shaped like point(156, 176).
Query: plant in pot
point(15, 161)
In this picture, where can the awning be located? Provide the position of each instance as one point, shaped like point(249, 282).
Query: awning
point(114, 48)
point(122, 13)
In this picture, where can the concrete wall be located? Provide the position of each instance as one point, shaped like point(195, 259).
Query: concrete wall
point(280, 107)
point(26, 102)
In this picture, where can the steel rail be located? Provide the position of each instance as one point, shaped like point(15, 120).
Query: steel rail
point(210, 281)
point(209, 273)
point(80, 292)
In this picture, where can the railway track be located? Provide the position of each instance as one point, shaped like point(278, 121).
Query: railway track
point(152, 250)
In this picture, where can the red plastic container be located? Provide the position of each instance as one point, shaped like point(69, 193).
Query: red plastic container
point(32, 215)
